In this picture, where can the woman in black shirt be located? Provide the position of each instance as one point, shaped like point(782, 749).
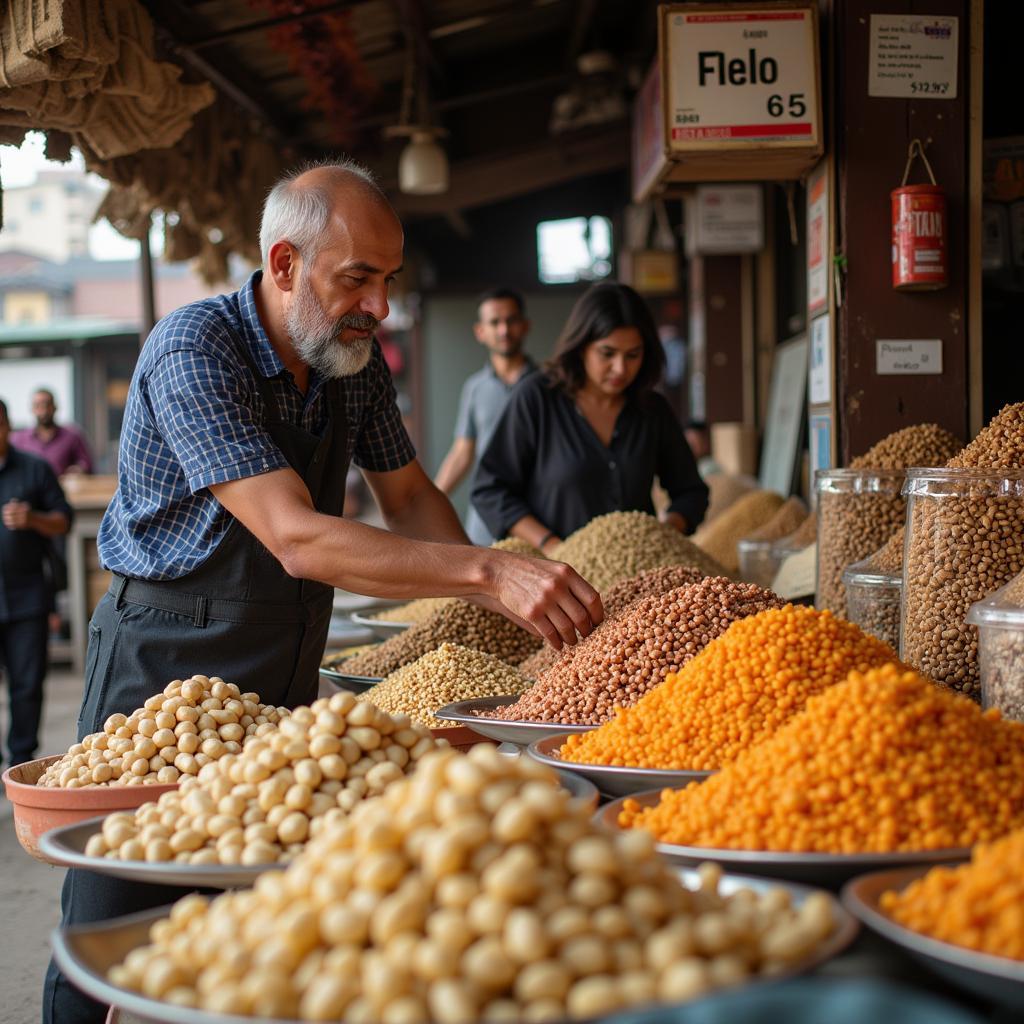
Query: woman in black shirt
point(590, 434)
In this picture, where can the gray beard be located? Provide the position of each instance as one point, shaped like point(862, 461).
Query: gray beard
point(316, 336)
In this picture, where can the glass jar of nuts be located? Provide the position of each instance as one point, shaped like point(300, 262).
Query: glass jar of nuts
point(999, 620)
point(873, 600)
point(964, 540)
point(858, 510)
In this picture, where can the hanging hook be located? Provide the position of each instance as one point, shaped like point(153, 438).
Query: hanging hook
point(917, 150)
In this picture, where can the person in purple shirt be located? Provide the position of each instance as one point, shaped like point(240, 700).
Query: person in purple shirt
point(63, 448)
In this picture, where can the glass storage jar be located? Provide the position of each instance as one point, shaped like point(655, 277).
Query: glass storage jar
point(873, 600)
point(858, 510)
point(964, 540)
point(758, 561)
point(999, 620)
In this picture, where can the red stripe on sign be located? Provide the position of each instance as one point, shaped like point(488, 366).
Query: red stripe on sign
point(706, 19)
point(740, 131)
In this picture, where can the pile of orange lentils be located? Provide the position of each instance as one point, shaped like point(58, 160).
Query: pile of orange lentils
point(739, 689)
point(882, 762)
point(979, 905)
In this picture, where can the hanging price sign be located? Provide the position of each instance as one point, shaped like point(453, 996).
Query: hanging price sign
point(740, 75)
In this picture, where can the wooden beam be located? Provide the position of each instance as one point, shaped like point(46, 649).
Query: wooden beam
point(459, 224)
point(252, 27)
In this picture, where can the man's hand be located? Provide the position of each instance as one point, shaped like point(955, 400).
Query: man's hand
point(546, 597)
point(17, 515)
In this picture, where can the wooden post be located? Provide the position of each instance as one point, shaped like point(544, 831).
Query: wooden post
point(148, 287)
point(872, 138)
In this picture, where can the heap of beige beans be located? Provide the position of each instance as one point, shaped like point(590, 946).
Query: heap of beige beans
point(804, 535)
point(260, 806)
point(625, 658)
point(720, 537)
point(615, 601)
point(853, 525)
point(961, 548)
point(459, 622)
point(925, 444)
point(192, 723)
point(724, 490)
point(442, 677)
point(476, 890)
point(422, 608)
point(788, 518)
point(620, 545)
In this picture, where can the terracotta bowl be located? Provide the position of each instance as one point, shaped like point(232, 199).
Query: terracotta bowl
point(37, 809)
point(461, 737)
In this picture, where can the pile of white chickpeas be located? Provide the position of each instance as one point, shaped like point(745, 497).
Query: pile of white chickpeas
point(192, 723)
point(475, 889)
point(260, 806)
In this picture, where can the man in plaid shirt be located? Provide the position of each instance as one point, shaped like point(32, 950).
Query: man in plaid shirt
point(225, 537)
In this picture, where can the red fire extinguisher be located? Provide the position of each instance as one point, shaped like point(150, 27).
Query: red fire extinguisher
point(919, 231)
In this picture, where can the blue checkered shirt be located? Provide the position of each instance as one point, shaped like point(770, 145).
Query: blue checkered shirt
point(195, 417)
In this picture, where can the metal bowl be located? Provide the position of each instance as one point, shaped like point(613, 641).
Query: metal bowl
point(86, 952)
point(381, 629)
point(66, 847)
point(828, 869)
point(992, 977)
point(612, 780)
point(345, 681)
point(466, 712)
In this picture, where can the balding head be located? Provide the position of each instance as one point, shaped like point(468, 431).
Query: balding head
point(299, 208)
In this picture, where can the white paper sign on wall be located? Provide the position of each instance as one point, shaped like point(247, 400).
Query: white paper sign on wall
point(913, 56)
point(820, 384)
point(898, 356)
point(729, 219)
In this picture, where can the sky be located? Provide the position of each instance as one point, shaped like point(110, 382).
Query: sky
point(20, 167)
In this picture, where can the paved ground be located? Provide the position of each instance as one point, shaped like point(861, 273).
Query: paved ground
point(29, 889)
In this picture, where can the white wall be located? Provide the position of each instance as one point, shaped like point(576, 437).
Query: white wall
point(49, 218)
point(20, 377)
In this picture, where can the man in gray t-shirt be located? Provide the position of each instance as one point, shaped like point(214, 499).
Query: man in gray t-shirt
point(501, 327)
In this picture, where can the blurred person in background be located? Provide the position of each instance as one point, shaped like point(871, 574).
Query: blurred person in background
point(33, 510)
point(501, 327)
point(698, 437)
point(64, 448)
point(590, 434)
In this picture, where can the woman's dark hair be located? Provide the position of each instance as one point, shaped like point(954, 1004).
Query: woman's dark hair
point(600, 310)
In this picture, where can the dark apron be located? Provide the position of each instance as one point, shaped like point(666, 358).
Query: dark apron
point(239, 616)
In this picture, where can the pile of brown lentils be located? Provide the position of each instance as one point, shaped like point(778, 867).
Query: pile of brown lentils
point(852, 526)
point(961, 549)
point(624, 658)
point(616, 600)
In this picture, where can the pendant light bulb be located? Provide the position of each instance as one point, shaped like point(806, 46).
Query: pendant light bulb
point(423, 166)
